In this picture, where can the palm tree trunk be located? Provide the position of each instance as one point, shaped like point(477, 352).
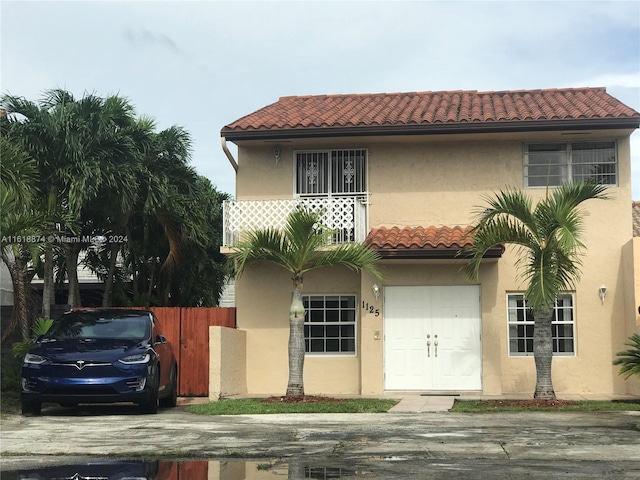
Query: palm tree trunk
point(107, 298)
point(296, 342)
point(47, 288)
point(543, 354)
point(21, 298)
point(71, 252)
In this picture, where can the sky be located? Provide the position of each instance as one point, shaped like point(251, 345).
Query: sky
point(203, 65)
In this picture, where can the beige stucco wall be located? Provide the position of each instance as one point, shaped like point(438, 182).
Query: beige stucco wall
point(227, 362)
point(440, 181)
point(631, 260)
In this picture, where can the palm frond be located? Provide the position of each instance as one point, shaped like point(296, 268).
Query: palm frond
point(301, 247)
point(547, 237)
point(630, 359)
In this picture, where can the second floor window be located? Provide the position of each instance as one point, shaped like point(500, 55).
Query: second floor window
point(331, 172)
point(552, 164)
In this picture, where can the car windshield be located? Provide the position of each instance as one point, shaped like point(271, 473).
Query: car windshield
point(79, 325)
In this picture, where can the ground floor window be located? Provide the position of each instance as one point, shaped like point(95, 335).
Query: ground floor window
point(521, 321)
point(330, 324)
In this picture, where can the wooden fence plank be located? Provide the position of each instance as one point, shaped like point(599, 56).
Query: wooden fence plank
point(194, 352)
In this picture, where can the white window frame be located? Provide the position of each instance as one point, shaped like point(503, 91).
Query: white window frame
point(567, 168)
point(308, 323)
point(331, 188)
point(513, 322)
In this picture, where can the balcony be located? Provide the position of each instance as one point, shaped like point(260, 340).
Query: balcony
point(346, 215)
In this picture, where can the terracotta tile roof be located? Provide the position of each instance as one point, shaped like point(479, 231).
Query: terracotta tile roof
point(432, 109)
point(425, 242)
point(635, 213)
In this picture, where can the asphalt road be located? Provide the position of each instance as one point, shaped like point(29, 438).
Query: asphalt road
point(388, 445)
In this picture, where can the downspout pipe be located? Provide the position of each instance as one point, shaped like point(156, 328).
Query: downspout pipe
point(226, 151)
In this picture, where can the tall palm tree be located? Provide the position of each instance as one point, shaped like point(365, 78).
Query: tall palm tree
point(300, 248)
point(19, 224)
point(547, 239)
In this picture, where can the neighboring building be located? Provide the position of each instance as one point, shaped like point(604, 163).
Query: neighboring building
point(6, 286)
point(405, 173)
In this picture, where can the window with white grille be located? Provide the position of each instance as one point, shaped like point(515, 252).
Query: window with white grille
point(551, 164)
point(331, 172)
point(521, 324)
point(330, 324)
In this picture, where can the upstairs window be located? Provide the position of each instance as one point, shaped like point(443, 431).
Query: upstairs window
point(331, 172)
point(552, 164)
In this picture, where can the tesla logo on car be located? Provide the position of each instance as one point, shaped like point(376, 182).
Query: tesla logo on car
point(80, 364)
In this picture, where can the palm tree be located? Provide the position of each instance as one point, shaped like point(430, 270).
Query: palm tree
point(630, 359)
point(547, 238)
point(19, 224)
point(300, 248)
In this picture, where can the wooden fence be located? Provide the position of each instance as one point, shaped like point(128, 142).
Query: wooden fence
point(188, 331)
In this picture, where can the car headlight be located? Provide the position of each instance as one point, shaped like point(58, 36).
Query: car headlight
point(137, 358)
point(34, 359)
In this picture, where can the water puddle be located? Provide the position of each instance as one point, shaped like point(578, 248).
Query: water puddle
point(181, 470)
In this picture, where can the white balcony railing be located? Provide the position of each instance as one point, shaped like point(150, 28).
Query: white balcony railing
point(346, 215)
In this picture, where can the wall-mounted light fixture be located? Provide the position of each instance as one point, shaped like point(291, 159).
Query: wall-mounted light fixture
point(276, 153)
point(602, 292)
point(376, 290)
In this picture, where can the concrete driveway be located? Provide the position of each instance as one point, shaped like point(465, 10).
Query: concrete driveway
point(553, 445)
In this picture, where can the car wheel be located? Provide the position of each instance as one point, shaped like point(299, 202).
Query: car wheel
point(151, 406)
point(171, 400)
point(31, 408)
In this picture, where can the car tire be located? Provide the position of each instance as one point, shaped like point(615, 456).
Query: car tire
point(31, 408)
point(171, 400)
point(151, 406)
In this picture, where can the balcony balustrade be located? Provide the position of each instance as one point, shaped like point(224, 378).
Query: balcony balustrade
point(346, 215)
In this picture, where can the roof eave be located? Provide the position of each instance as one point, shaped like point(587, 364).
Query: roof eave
point(434, 253)
point(433, 129)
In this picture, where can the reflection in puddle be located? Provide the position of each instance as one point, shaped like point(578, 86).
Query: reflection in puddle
point(181, 470)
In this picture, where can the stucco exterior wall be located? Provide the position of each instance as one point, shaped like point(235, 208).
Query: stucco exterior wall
point(227, 362)
point(631, 260)
point(440, 181)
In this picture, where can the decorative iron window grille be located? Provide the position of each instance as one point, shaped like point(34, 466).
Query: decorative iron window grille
point(331, 172)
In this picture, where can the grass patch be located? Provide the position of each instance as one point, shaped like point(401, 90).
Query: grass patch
point(480, 406)
point(253, 406)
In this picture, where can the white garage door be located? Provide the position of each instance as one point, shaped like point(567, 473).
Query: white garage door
point(432, 338)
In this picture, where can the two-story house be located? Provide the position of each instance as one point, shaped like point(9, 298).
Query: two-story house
point(405, 173)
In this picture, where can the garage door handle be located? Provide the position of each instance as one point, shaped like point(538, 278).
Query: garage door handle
point(428, 348)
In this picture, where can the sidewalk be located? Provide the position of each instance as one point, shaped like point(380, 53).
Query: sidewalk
point(423, 403)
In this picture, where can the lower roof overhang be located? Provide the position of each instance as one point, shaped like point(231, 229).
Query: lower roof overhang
point(434, 253)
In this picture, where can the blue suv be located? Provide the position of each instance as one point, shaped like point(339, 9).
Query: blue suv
point(100, 356)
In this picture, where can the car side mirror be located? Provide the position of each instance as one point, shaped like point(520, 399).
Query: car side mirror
point(160, 339)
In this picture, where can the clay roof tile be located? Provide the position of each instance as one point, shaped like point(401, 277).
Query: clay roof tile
point(433, 108)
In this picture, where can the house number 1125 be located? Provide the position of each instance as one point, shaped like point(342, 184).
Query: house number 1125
point(370, 309)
